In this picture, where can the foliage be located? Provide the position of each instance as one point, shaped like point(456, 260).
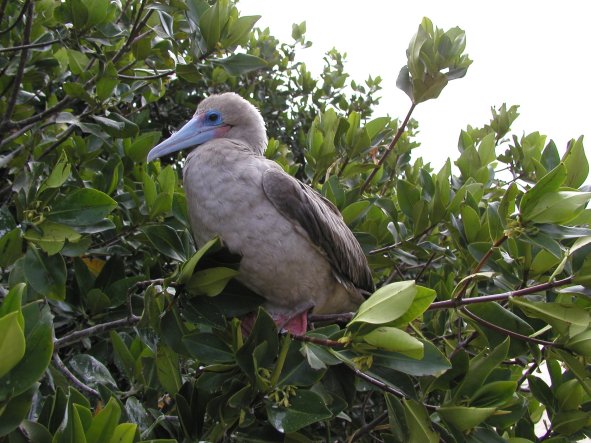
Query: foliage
point(114, 328)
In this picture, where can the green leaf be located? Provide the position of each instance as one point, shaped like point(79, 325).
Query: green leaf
point(167, 366)
point(494, 394)
point(557, 207)
point(566, 319)
point(387, 304)
point(59, 174)
point(576, 163)
point(108, 79)
point(581, 343)
point(238, 64)
point(11, 246)
point(12, 303)
point(124, 433)
point(51, 237)
point(549, 183)
point(83, 207)
point(463, 418)
point(188, 267)
point(212, 22)
point(104, 423)
point(138, 149)
point(480, 368)
point(210, 282)
point(39, 348)
point(239, 31)
point(394, 340)
point(418, 423)
point(91, 370)
point(46, 274)
point(15, 410)
point(166, 240)
point(208, 348)
point(12, 342)
point(305, 408)
point(433, 362)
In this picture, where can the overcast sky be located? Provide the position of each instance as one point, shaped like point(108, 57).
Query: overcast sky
point(533, 54)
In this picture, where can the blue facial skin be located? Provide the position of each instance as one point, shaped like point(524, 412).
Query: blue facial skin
point(200, 129)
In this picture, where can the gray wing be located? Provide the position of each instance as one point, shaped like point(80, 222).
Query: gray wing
point(323, 223)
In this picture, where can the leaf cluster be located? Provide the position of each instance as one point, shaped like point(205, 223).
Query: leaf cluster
point(115, 327)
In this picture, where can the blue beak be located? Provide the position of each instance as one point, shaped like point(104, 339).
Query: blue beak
point(190, 135)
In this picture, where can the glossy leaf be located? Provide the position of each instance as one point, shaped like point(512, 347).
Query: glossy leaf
point(387, 304)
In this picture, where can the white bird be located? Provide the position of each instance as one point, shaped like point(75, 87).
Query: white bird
point(296, 250)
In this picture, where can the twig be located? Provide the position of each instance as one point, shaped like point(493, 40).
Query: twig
point(368, 427)
point(480, 265)
point(72, 378)
point(343, 317)
point(27, 46)
point(319, 341)
point(508, 332)
point(455, 303)
point(137, 25)
point(420, 274)
point(529, 372)
point(20, 71)
point(18, 19)
point(147, 77)
point(93, 330)
point(40, 116)
point(388, 150)
point(374, 381)
point(395, 245)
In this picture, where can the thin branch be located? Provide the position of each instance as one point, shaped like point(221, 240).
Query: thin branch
point(72, 378)
point(94, 330)
point(480, 265)
point(40, 116)
point(147, 77)
point(319, 341)
point(455, 303)
point(343, 317)
point(368, 427)
point(3, 9)
point(26, 46)
point(18, 19)
point(374, 381)
point(395, 245)
point(426, 265)
point(388, 150)
point(535, 365)
point(62, 138)
point(137, 25)
point(20, 72)
point(508, 332)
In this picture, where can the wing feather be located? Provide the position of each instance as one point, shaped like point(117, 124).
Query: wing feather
point(323, 223)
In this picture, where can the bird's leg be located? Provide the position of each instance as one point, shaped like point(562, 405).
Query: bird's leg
point(295, 322)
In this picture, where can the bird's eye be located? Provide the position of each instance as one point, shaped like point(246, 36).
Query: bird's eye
point(214, 117)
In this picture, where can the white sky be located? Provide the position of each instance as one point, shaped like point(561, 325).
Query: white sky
point(535, 54)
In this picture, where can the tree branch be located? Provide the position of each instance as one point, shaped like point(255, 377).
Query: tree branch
point(94, 330)
point(318, 341)
point(147, 77)
point(26, 46)
point(368, 427)
point(18, 19)
point(21, 67)
point(388, 150)
point(72, 378)
point(456, 303)
point(508, 332)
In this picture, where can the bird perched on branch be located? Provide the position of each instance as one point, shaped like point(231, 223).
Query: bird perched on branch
point(296, 250)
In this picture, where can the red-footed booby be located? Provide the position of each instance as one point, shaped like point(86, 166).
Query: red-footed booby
point(296, 250)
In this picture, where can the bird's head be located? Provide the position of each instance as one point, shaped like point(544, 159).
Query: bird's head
point(218, 116)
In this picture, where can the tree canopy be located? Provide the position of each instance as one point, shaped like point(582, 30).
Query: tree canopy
point(115, 328)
